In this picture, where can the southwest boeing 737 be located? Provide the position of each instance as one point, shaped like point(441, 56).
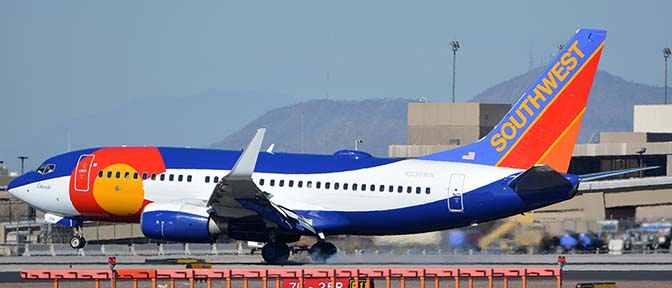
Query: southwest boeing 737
point(195, 195)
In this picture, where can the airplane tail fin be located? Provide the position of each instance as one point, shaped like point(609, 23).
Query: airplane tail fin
point(542, 127)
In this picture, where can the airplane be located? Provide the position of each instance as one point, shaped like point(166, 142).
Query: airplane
point(196, 195)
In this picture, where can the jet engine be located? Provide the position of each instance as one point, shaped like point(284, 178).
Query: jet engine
point(179, 222)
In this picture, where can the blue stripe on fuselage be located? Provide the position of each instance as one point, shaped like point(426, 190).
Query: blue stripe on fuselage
point(490, 202)
point(284, 163)
point(193, 158)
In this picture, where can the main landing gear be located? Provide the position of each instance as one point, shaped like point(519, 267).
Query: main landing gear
point(321, 251)
point(275, 253)
point(77, 241)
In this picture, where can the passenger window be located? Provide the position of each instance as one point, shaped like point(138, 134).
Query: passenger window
point(372, 188)
point(417, 190)
point(363, 187)
point(336, 186)
point(162, 177)
point(144, 176)
point(382, 188)
point(391, 189)
point(153, 176)
point(400, 189)
point(318, 184)
point(171, 177)
point(215, 179)
point(189, 178)
point(135, 175)
point(117, 175)
point(309, 184)
point(179, 178)
point(345, 186)
point(327, 185)
point(100, 174)
point(109, 174)
point(282, 183)
point(291, 183)
point(354, 186)
point(300, 184)
point(127, 175)
point(272, 182)
point(428, 190)
point(261, 182)
point(409, 189)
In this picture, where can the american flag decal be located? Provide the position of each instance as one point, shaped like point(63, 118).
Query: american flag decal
point(469, 155)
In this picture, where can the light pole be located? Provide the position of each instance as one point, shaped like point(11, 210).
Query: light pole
point(666, 54)
point(641, 159)
point(455, 45)
point(23, 159)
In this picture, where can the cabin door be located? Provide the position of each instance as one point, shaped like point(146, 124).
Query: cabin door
point(83, 172)
point(455, 202)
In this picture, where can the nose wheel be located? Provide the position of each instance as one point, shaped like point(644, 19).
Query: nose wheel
point(321, 251)
point(77, 241)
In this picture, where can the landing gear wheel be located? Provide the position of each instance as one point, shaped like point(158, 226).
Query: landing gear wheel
point(321, 251)
point(77, 242)
point(275, 253)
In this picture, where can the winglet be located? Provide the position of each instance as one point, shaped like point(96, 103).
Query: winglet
point(248, 159)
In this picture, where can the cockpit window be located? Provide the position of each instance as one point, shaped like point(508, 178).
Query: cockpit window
point(46, 168)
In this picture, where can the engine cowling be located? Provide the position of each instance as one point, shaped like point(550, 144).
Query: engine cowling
point(179, 222)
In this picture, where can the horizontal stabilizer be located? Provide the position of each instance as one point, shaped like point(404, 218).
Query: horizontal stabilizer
point(605, 174)
point(533, 185)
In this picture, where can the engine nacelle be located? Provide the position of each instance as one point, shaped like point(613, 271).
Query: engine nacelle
point(179, 222)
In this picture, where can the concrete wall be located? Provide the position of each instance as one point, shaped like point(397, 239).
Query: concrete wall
point(652, 118)
point(439, 123)
point(622, 137)
point(615, 149)
point(434, 127)
point(415, 151)
point(114, 231)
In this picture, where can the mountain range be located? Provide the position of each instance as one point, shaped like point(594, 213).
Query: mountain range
point(331, 125)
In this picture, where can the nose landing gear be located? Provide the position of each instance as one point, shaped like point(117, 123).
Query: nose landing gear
point(77, 241)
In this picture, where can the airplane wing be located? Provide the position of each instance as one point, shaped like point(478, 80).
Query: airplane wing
point(236, 195)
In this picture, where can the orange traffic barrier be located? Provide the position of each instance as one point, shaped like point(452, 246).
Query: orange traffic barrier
point(328, 277)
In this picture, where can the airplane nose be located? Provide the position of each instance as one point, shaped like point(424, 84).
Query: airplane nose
point(13, 186)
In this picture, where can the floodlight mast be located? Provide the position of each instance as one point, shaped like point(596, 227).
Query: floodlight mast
point(455, 45)
point(666, 54)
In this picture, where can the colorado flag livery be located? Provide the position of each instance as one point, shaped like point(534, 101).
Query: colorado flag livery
point(541, 128)
point(197, 195)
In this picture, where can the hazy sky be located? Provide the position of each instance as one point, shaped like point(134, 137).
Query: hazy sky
point(65, 58)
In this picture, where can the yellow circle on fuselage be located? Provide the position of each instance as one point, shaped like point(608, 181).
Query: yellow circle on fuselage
point(122, 196)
